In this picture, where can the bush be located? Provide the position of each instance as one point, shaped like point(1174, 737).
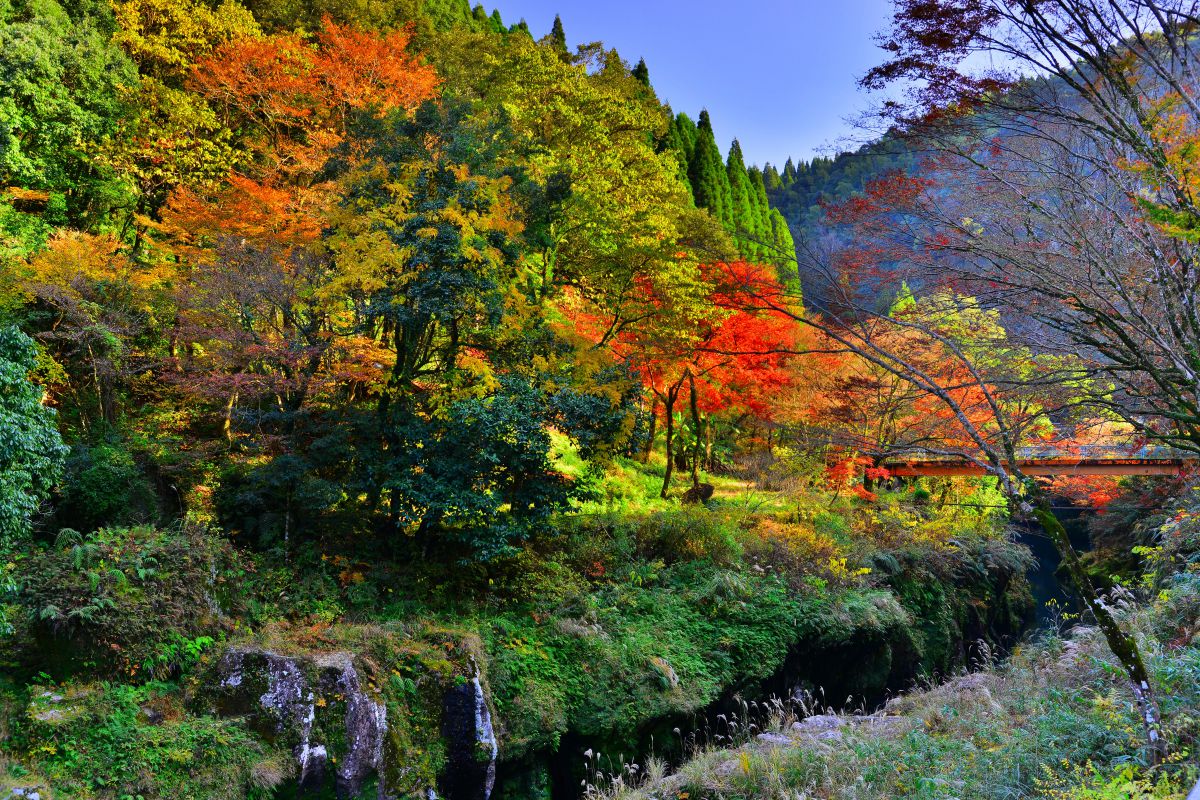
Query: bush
point(104, 486)
point(1126, 782)
point(797, 551)
point(130, 601)
point(107, 741)
point(691, 534)
point(31, 450)
point(530, 577)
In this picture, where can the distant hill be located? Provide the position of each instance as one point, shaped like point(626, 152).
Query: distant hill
point(797, 193)
point(798, 190)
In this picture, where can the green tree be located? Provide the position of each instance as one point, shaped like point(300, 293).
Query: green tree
point(759, 201)
point(642, 73)
point(558, 37)
point(59, 90)
point(680, 142)
point(448, 14)
point(165, 38)
point(781, 238)
point(789, 173)
point(771, 178)
point(459, 448)
point(747, 221)
point(707, 174)
point(605, 208)
point(31, 450)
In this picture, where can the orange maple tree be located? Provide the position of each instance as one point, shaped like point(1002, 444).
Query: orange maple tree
point(258, 266)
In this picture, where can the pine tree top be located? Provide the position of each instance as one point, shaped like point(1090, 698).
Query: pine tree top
point(641, 72)
point(735, 154)
point(558, 37)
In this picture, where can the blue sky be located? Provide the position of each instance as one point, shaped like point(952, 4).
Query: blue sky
point(780, 75)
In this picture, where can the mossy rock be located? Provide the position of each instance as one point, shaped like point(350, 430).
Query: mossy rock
point(356, 704)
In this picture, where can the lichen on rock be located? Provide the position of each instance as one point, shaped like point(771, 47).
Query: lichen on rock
point(405, 708)
point(298, 698)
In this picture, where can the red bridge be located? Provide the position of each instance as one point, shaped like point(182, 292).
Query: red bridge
point(1087, 460)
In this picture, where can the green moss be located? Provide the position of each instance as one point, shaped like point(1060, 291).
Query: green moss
point(407, 668)
point(111, 741)
point(130, 602)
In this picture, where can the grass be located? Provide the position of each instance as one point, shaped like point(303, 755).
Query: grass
point(629, 485)
point(1056, 721)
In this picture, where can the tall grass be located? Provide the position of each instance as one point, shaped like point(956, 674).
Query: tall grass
point(1054, 721)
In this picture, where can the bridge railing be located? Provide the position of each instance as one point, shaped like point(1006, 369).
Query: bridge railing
point(1038, 453)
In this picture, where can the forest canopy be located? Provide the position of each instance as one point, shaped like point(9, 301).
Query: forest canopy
point(333, 264)
point(387, 395)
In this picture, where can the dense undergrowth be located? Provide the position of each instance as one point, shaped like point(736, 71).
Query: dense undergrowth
point(1055, 719)
point(607, 629)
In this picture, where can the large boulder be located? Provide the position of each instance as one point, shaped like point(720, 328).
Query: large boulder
point(394, 708)
point(471, 747)
point(317, 706)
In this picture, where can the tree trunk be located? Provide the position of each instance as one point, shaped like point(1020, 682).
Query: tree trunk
point(648, 448)
point(696, 434)
point(669, 409)
point(708, 446)
point(227, 424)
point(1122, 643)
point(669, 435)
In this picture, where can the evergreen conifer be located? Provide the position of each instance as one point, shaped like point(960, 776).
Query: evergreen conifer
point(771, 178)
point(642, 73)
point(742, 212)
point(761, 207)
point(680, 142)
point(706, 171)
point(558, 37)
point(789, 173)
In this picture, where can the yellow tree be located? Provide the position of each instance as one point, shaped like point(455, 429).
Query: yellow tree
point(172, 137)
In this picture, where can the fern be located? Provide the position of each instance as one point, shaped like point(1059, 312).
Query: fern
point(67, 538)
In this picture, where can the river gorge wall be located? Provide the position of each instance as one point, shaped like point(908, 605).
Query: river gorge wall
point(510, 710)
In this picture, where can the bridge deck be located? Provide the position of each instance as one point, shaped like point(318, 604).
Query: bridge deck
point(1047, 467)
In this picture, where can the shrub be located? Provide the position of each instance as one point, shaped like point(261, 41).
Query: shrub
point(104, 486)
point(689, 534)
point(530, 577)
point(1125, 782)
point(129, 601)
point(832, 524)
point(796, 550)
point(31, 450)
point(108, 741)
